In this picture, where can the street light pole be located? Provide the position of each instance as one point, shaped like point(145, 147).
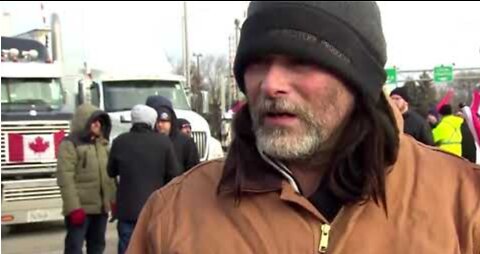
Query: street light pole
point(186, 58)
point(196, 86)
point(198, 63)
point(237, 31)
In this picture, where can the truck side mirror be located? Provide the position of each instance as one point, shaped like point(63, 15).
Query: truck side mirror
point(80, 98)
point(204, 105)
point(88, 92)
point(64, 96)
point(95, 94)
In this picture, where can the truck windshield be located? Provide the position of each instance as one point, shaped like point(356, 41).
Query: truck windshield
point(123, 95)
point(22, 93)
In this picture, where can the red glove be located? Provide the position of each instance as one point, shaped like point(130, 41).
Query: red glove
point(113, 208)
point(77, 217)
point(113, 211)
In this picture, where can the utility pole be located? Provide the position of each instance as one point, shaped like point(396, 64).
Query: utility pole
point(236, 22)
point(198, 63)
point(237, 31)
point(231, 82)
point(186, 54)
point(196, 86)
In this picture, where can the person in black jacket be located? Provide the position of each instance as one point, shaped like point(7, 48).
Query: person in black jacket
point(185, 148)
point(144, 161)
point(184, 126)
point(414, 124)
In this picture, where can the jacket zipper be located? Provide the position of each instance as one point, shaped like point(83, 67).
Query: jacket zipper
point(324, 228)
point(324, 237)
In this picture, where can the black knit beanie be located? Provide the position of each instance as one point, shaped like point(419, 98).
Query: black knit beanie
point(345, 38)
point(402, 92)
point(446, 110)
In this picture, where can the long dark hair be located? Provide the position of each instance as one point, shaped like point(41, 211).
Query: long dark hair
point(358, 167)
point(364, 153)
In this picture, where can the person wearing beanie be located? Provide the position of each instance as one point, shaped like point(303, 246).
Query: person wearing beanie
point(185, 148)
point(413, 124)
point(185, 127)
point(319, 162)
point(453, 135)
point(143, 161)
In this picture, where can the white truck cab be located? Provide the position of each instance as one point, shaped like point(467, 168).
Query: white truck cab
point(117, 93)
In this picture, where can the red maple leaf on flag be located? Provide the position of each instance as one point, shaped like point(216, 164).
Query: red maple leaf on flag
point(39, 146)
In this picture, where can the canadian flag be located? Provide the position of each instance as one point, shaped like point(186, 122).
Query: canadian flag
point(33, 148)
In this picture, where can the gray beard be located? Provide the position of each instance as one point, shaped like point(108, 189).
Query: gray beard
point(282, 144)
point(286, 143)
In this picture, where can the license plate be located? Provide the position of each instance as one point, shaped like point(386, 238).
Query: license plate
point(44, 215)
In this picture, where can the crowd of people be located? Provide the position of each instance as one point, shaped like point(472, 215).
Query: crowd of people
point(318, 163)
point(451, 131)
point(95, 180)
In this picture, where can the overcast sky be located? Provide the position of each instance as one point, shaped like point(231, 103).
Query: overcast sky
point(418, 34)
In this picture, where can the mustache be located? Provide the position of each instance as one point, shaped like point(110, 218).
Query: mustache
point(267, 106)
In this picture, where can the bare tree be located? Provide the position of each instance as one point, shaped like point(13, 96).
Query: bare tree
point(177, 65)
point(214, 70)
point(212, 74)
point(463, 84)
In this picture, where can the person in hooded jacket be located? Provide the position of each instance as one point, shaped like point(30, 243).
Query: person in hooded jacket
point(144, 161)
point(86, 189)
point(185, 149)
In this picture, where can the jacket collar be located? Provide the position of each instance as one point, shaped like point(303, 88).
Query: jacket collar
point(141, 128)
point(252, 180)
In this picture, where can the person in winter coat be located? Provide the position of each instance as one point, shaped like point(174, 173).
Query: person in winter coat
point(144, 161)
point(415, 125)
point(453, 135)
point(87, 190)
point(185, 149)
point(319, 162)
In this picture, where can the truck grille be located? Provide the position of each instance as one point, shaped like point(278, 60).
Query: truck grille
point(200, 138)
point(24, 190)
point(28, 127)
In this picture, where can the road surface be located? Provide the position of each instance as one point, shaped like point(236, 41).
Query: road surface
point(45, 238)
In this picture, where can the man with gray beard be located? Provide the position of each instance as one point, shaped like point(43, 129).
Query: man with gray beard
point(319, 163)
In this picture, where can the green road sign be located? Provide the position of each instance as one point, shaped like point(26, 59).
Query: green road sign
point(391, 75)
point(443, 74)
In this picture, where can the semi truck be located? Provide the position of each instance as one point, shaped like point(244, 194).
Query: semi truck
point(35, 118)
point(118, 92)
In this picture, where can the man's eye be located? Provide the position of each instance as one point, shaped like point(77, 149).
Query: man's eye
point(299, 62)
point(258, 64)
point(302, 66)
point(261, 61)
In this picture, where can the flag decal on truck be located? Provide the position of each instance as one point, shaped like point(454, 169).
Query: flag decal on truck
point(33, 147)
point(39, 146)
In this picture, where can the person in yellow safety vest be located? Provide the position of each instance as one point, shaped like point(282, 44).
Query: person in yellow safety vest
point(452, 135)
point(447, 134)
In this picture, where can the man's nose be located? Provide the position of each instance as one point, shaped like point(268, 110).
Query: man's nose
point(276, 82)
